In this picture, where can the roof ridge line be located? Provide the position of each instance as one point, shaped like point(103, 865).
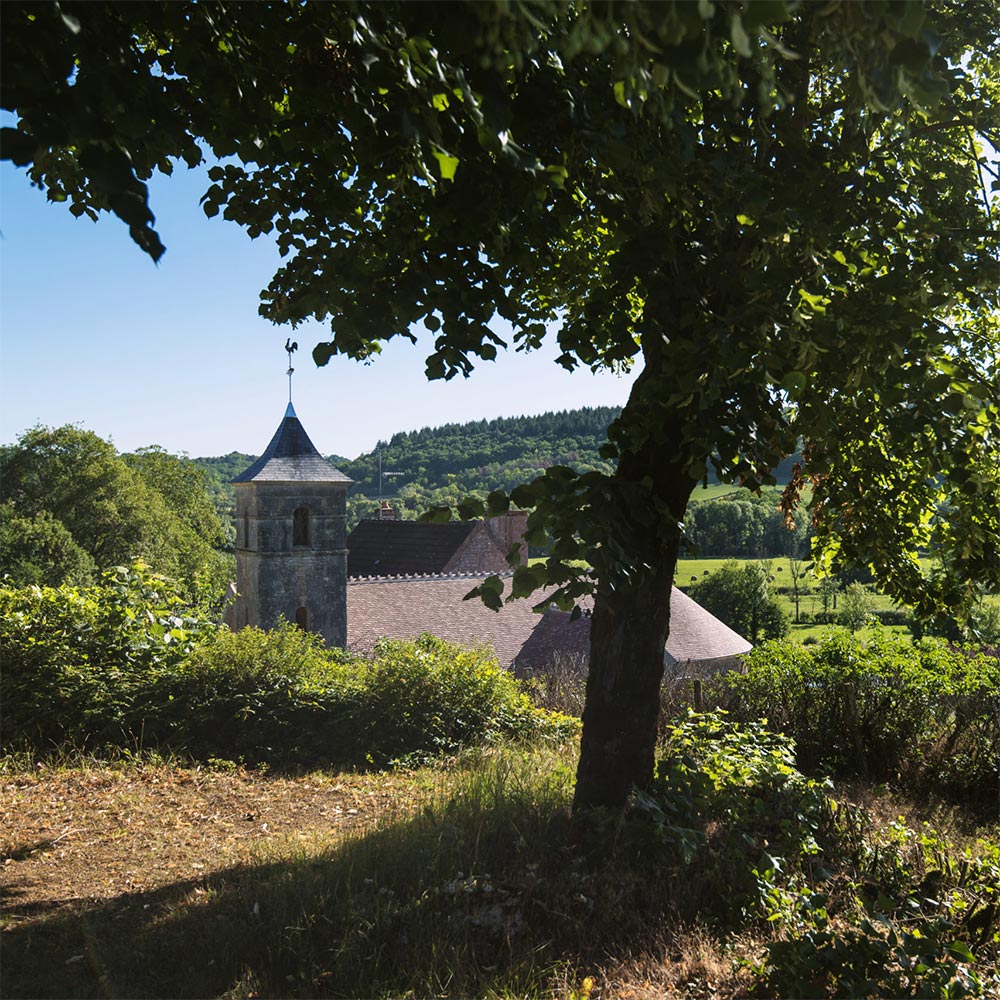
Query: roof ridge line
point(424, 577)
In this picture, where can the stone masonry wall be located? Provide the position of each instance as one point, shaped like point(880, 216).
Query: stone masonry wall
point(275, 578)
point(479, 553)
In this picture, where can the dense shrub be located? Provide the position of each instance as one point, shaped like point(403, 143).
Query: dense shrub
point(126, 664)
point(433, 695)
point(740, 596)
point(281, 697)
point(853, 912)
point(730, 802)
point(255, 696)
point(883, 708)
point(925, 922)
point(75, 659)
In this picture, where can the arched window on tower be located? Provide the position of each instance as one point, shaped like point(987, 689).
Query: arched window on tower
point(246, 529)
point(302, 618)
point(300, 527)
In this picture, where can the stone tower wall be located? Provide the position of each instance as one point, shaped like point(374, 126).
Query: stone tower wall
point(274, 576)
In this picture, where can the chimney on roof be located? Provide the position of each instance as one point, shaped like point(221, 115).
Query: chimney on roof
point(386, 512)
point(509, 530)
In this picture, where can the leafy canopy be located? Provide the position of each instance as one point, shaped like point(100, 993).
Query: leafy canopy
point(782, 211)
point(73, 506)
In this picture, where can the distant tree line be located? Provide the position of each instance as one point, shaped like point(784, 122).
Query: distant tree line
point(438, 466)
point(73, 506)
point(484, 454)
point(744, 526)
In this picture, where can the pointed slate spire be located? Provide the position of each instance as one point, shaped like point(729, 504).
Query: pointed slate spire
point(291, 458)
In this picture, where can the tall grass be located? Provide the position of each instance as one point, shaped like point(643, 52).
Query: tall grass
point(485, 887)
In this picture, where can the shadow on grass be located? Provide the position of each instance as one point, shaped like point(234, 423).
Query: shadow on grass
point(487, 890)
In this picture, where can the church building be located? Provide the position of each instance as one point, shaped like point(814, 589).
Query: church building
point(408, 577)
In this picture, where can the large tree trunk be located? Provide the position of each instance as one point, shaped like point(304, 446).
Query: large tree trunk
point(620, 715)
point(628, 632)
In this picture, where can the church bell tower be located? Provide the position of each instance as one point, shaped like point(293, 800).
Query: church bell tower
point(291, 537)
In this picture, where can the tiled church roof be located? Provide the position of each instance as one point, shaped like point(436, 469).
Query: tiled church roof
point(696, 636)
point(396, 548)
point(291, 458)
point(403, 607)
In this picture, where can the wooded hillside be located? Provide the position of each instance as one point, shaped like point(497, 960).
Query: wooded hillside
point(435, 465)
point(421, 468)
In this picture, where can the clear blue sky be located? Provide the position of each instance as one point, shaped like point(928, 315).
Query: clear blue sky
point(93, 333)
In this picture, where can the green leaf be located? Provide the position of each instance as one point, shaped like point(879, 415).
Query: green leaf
point(470, 508)
point(526, 581)
point(446, 164)
point(793, 383)
point(497, 503)
point(962, 951)
point(322, 353)
point(437, 515)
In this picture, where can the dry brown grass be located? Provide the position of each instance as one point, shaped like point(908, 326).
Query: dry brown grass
point(105, 864)
point(156, 880)
point(94, 845)
point(96, 832)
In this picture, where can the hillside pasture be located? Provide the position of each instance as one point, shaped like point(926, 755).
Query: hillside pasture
point(811, 601)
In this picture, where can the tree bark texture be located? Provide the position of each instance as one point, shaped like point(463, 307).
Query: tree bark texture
point(628, 632)
point(617, 748)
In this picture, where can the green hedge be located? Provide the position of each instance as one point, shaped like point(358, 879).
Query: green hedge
point(884, 708)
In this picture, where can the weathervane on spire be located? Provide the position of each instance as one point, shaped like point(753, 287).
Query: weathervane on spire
point(290, 346)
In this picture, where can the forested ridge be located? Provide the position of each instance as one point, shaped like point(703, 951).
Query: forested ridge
point(74, 506)
point(491, 453)
point(483, 454)
point(437, 465)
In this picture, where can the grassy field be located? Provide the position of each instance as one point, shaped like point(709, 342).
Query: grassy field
point(689, 571)
point(716, 491)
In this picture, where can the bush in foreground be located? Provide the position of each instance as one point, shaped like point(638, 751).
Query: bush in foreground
point(128, 665)
point(76, 658)
point(882, 708)
point(280, 697)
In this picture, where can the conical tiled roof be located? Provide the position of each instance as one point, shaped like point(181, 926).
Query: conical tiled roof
point(291, 458)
